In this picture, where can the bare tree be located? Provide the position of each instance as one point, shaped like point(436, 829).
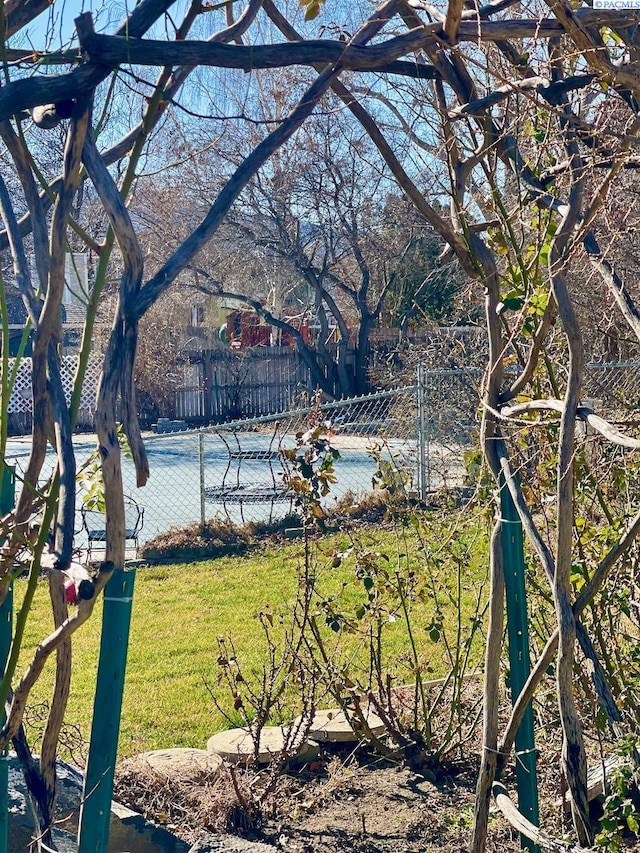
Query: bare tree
point(314, 237)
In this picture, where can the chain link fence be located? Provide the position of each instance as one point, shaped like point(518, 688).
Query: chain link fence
point(613, 388)
point(235, 470)
point(447, 403)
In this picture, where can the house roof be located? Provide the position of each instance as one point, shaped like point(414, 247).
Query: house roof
point(71, 314)
point(17, 313)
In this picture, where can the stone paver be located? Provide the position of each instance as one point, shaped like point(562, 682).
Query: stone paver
point(236, 745)
point(182, 763)
point(332, 726)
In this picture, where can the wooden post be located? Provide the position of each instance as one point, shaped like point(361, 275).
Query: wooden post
point(95, 812)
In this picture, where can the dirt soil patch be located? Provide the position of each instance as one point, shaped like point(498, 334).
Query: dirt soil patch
point(347, 801)
point(373, 808)
point(352, 802)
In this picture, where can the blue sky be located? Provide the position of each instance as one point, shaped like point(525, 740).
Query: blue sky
point(54, 27)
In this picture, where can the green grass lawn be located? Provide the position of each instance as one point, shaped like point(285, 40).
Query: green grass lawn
point(179, 612)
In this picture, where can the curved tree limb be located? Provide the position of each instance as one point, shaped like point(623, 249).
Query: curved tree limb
point(243, 174)
point(574, 758)
point(20, 265)
point(132, 259)
point(57, 709)
point(577, 27)
point(26, 94)
point(42, 653)
point(585, 413)
point(549, 90)
point(114, 51)
point(519, 822)
point(614, 283)
point(493, 655)
point(48, 331)
point(35, 206)
point(20, 95)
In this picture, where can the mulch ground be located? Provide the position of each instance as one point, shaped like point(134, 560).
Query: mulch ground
point(344, 801)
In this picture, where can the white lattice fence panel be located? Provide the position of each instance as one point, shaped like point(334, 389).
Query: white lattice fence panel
point(20, 400)
point(21, 396)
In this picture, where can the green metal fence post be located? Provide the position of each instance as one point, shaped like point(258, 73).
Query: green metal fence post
point(7, 502)
point(519, 660)
point(95, 812)
point(6, 616)
point(203, 516)
point(7, 487)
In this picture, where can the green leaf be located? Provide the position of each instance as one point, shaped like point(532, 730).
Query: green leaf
point(577, 578)
point(529, 327)
point(608, 34)
point(306, 470)
point(510, 304)
point(313, 10)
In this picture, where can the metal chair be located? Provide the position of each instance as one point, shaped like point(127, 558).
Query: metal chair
point(257, 487)
point(93, 522)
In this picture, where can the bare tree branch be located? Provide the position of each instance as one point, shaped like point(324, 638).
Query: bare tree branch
point(192, 245)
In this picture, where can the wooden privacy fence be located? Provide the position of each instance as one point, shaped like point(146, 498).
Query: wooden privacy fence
point(244, 383)
point(233, 384)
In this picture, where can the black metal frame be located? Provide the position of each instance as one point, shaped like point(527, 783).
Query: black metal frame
point(134, 521)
